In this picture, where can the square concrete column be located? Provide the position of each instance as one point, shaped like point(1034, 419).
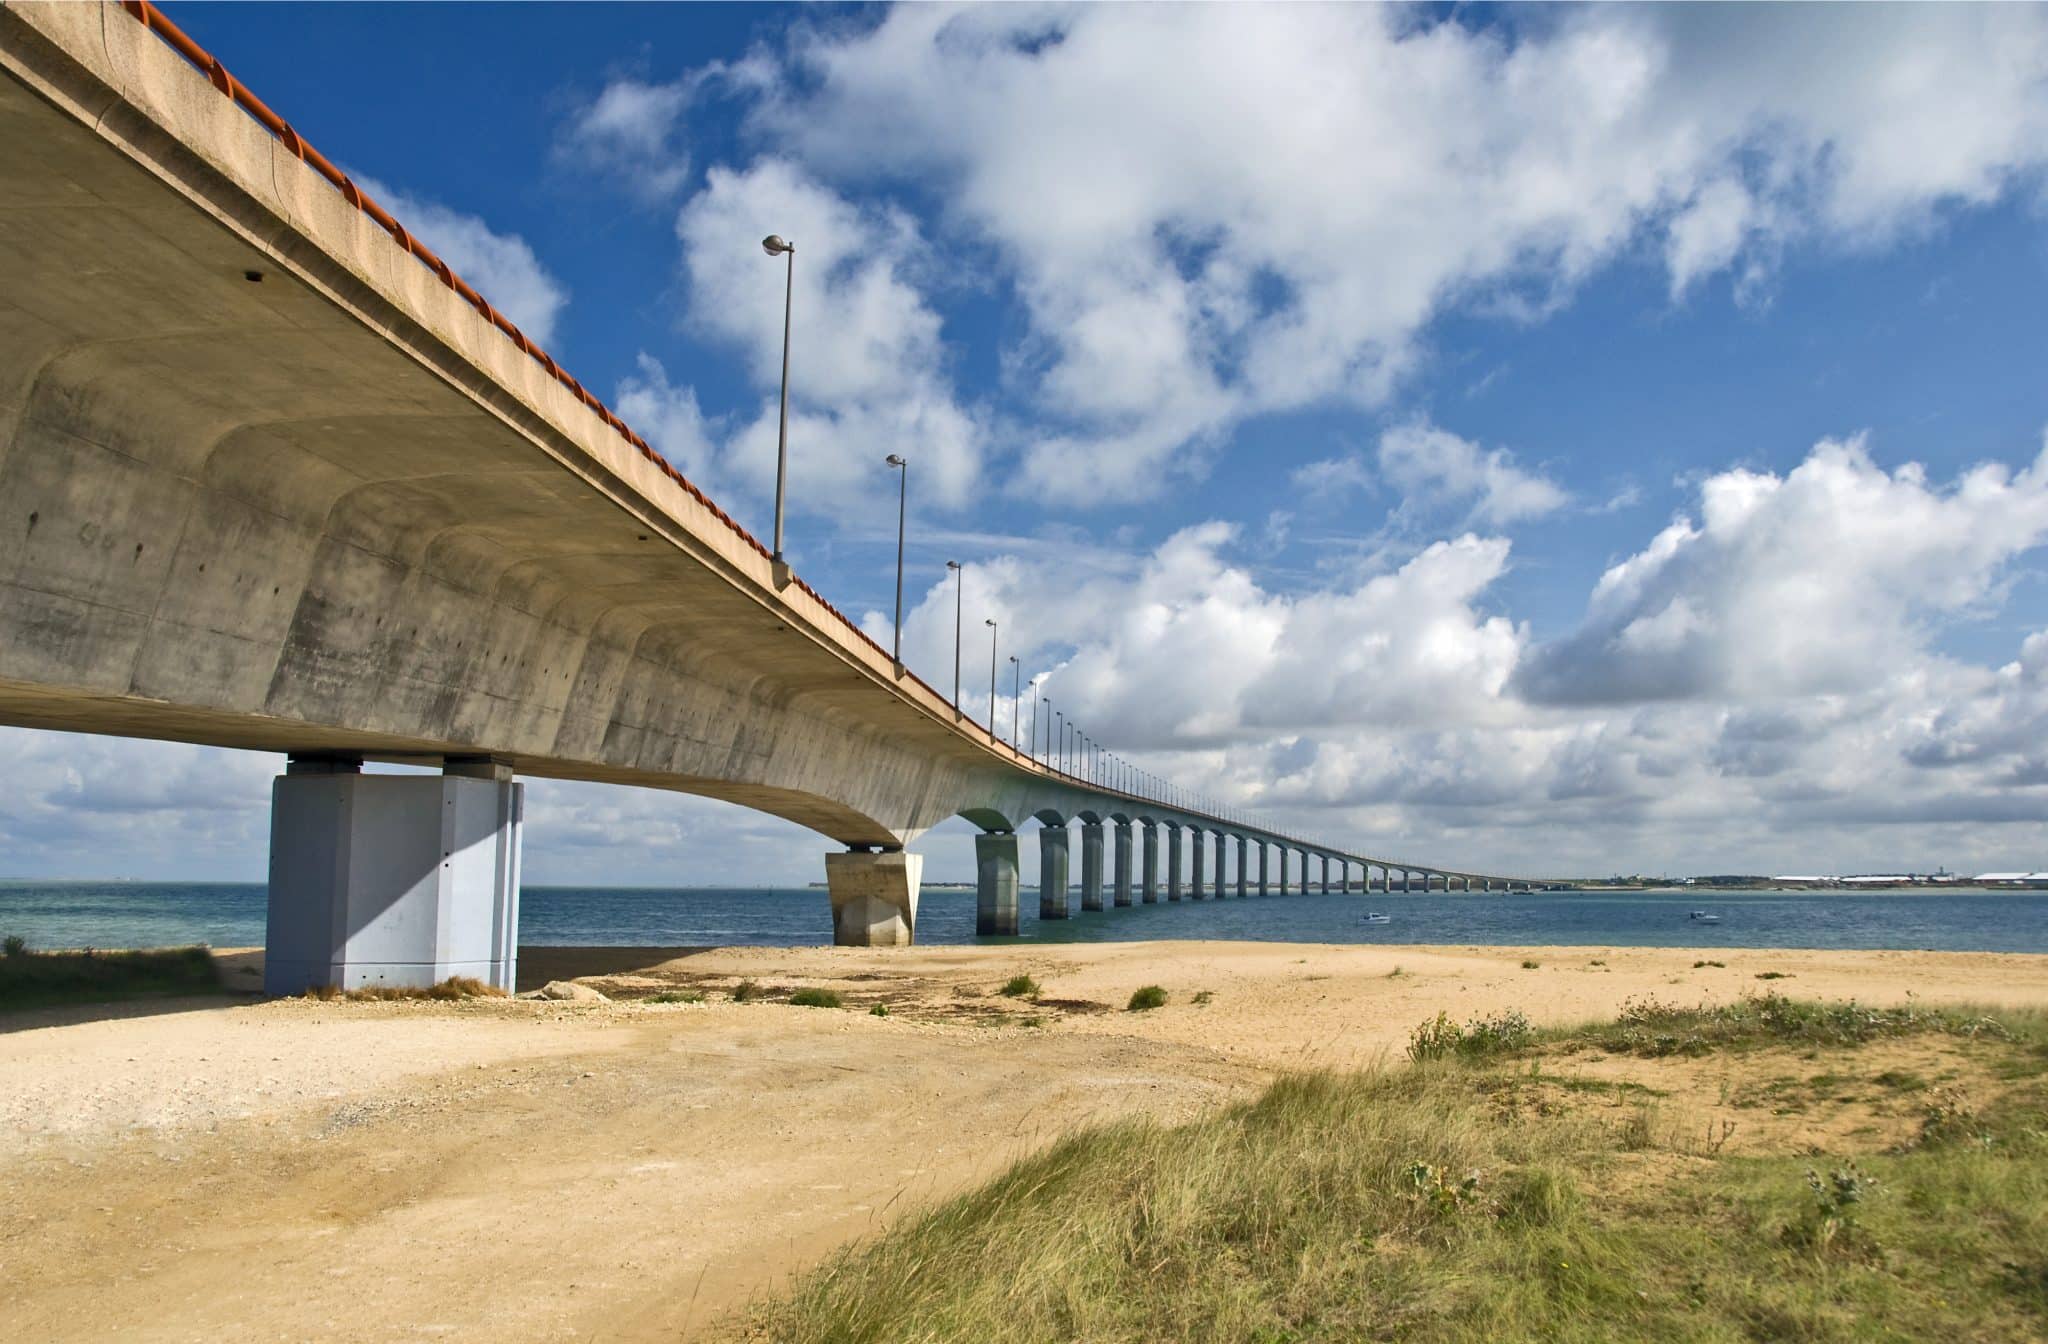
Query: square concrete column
point(1091, 865)
point(1326, 874)
point(874, 897)
point(1172, 863)
point(392, 880)
point(1052, 872)
point(1265, 888)
point(1196, 850)
point(995, 884)
point(1123, 863)
point(1148, 871)
point(1243, 883)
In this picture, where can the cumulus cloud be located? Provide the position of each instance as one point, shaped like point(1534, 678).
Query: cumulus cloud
point(869, 376)
point(500, 266)
point(632, 132)
point(1215, 212)
point(1433, 464)
point(1806, 584)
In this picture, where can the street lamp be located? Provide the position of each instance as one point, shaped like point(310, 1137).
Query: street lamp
point(959, 582)
point(774, 245)
point(1060, 717)
point(1033, 688)
point(1016, 697)
point(992, 633)
point(902, 504)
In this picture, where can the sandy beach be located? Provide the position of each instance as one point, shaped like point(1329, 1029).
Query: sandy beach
point(629, 1170)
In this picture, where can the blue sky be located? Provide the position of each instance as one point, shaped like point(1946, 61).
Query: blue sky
point(1561, 439)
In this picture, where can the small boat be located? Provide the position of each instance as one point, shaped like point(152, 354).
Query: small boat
point(1375, 917)
point(1704, 917)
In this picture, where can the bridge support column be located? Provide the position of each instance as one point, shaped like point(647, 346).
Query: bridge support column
point(1148, 871)
point(1123, 863)
point(1091, 865)
point(1326, 874)
point(995, 883)
point(1052, 872)
point(1222, 854)
point(1407, 881)
point(1243, 848)
point(874, 897)
point(399, 880)
point(1172, 862)
point(1197, 850)
point(1265, 887)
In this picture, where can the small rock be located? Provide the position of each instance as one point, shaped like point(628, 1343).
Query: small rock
point(572, 992)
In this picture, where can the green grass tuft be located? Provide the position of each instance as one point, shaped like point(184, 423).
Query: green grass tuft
point(47, 979)
point(1151, 996)
point(1398, 1205)
point(815, 998)
point(746, 991)
point(676, 996)
point(1020, 987)
point(1774, 975)
point(1529, 965)
point(879, 1010)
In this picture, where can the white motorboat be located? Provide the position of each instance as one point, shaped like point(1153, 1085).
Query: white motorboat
point(1375, 917)
point(1704, 917)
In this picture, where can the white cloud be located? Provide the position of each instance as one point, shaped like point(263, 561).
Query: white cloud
point(1812, 583)
point(1432, 464)
point(630, 132)
point(868, 374)
point(1211, 212)
point(499, 266)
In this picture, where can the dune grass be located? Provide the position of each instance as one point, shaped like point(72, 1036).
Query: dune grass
point(451, 990)
point(815, 998)
point(1407, 1204)
point(31, 979)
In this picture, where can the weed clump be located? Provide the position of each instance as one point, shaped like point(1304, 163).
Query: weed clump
point(1020, 987)
point(1499, 1034)
point(1529, 964)
point(1698, 964)
point(451, 990)
point(746, 991)
point(1648, 1027)
point(1150, 996)
point(1773, 975)
point(815, 998)
point(1203, 997)
point(879, 1010)
point(30, 979)
point(15, 946)
point(676, 996)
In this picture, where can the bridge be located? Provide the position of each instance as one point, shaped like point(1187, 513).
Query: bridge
point(272, 476)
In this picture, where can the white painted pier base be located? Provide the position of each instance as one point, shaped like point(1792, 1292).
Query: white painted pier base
point(874, 897)
point(995, 884)
point(400, 880)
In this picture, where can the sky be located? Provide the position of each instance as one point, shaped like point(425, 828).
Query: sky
point(1531, 439)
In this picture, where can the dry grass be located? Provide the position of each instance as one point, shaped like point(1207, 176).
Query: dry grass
point(1475, 1200)
point(31, 979)
point(454, 988)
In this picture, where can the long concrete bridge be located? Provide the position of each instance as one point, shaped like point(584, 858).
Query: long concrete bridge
point(273, 477)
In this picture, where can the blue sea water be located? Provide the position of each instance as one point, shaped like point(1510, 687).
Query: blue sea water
point(139, 914)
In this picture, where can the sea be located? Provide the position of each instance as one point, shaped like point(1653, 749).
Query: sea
point(157, 914)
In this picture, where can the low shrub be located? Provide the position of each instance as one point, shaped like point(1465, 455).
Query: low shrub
point(15, 946)
point(1020, 987)
point(746, 991)
point(879, 1010)
point(1150, 996)
point(815, 998)
point(1498, 1034)
point(676, 996)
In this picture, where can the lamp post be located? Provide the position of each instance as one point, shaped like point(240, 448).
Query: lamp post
point(959, 582)
point(774, 245)
point(1033, 688)
point(1016, 697)
point(1060, 717)
point(902, 505)
point(990, 622)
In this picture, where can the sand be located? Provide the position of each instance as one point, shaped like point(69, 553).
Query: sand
point(625, 1171)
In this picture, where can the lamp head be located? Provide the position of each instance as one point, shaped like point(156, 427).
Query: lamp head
point(895, 461)
point(952, 564)
point(775, 246)
point(990, 622)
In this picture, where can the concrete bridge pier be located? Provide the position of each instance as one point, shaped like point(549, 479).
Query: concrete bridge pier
point(1052, 872)
point(1123, 863)
point(1243, 849)
point(1148, 871)
point(995, 883)
point(399, 880)
point(874, 897)
point(1326, 874)
point(1172, 861)
point(1265, 886)
point(1091, 866)
point(1195, 852)
point(1222, 856)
